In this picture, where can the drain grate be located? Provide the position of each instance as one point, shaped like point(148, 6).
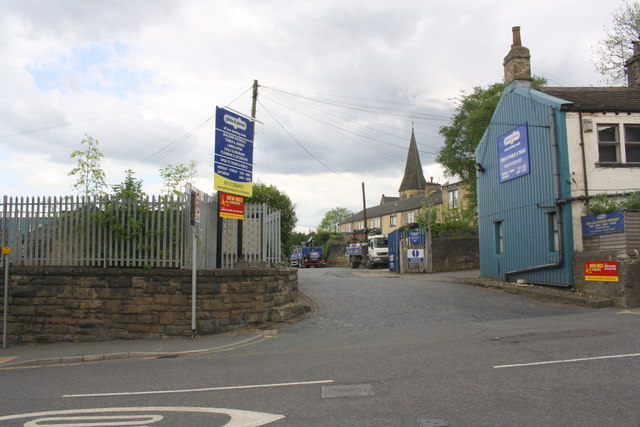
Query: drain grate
point(348, 390)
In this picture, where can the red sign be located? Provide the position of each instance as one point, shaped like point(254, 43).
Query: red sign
point(601, 271)
point(231, 206)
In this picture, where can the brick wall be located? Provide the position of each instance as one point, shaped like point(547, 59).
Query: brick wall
point(71, 304)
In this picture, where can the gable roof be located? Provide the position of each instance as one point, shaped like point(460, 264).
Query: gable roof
point(396, 207)
point(597, 99)
point(413, 176)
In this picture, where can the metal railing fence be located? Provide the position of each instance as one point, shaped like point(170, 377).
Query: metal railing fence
point(150, 231)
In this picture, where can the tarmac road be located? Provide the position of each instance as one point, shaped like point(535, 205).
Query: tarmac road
point(381, 350)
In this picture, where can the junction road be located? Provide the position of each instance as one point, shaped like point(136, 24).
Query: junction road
point(381, 350)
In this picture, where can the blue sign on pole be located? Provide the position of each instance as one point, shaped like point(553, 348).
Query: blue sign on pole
point(415, 237)
point(233, 153)
point(513, 153)
point(608, 223)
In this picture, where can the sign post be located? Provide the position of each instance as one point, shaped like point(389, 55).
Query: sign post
point(6, 251)
point(195, 222)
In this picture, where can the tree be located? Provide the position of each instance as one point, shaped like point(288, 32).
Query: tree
point(177, 177)
point(90, 178)
point(612, 52)
point(270, 195)
point(130, 188)
point(332, 218)
point(461, 137)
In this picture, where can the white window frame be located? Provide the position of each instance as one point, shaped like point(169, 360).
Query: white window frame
point(620, 142)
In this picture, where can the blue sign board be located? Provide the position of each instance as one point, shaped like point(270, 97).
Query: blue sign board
point(233, 153)
point(415, 237)
point(513, 153)
point(608, 223)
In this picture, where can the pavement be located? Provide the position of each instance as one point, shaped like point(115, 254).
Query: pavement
point(38, 355)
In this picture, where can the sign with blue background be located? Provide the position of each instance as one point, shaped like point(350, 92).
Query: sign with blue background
point(233, 154)
point(513, 153)
point(608, 223)
point(415, 237)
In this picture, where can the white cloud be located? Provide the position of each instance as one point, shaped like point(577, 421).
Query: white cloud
point(143, 77)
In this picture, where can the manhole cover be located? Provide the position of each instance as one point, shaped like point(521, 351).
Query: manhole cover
point(349, 390)
point(432, 422)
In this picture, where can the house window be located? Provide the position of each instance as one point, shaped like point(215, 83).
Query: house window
point(347, 228)
point(499, 240)
point(375, 223)
point(615, 146)
point(608, 144)
point(392, 220)
point(632, 143)
point(554, 235)
point(453, 199)
point(411, 217)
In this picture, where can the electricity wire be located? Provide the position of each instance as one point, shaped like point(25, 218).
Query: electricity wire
point(302, 145)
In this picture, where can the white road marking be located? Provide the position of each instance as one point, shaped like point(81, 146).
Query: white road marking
point(238, 417)
point(95, 420)
point(195, 390)
point(553, 362)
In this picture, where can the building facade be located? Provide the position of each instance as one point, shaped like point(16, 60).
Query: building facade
point(544, 154)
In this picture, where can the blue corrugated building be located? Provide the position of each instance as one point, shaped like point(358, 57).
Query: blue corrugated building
point(540, 156)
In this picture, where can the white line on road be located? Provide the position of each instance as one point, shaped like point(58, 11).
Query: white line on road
point(553, 362)
point(195, 390)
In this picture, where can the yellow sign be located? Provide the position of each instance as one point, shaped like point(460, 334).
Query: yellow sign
point(6, 250)
point(221, 183)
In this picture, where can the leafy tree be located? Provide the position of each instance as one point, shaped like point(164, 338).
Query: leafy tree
point(270, 195)
point(461, 137)
point(130, 188)
point(332, 218)
point(90, 178)
point(612, 52)
point(177, 177)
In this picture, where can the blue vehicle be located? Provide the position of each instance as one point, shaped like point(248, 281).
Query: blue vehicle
point(306, 255)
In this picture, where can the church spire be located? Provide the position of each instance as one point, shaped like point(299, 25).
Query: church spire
point(413, 182)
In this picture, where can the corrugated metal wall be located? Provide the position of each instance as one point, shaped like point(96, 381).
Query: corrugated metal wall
point(522, 204)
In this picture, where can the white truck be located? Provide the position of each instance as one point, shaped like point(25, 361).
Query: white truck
point(373, 252)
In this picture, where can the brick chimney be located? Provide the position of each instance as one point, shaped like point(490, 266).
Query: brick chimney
point(517, 63)
point(633, 66)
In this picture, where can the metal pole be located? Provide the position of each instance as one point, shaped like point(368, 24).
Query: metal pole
point(194, 254)
point(6, 300)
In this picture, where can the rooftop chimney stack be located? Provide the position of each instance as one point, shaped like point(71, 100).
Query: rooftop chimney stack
point(633, 66)
point(517, 63)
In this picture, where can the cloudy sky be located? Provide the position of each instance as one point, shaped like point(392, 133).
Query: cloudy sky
point(342, 82)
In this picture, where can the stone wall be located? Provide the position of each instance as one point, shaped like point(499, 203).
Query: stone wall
point(86, 304)
point(626, 291)
point(455, 254)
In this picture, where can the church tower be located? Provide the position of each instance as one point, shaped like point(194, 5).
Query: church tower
point(413, 183)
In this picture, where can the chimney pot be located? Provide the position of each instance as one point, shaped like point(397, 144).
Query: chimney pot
point(516, 37)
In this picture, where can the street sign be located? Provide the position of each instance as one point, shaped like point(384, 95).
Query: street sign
point(6, 250)
point(233, 154)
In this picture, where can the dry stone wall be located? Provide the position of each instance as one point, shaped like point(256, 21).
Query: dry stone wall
point(70, 304)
